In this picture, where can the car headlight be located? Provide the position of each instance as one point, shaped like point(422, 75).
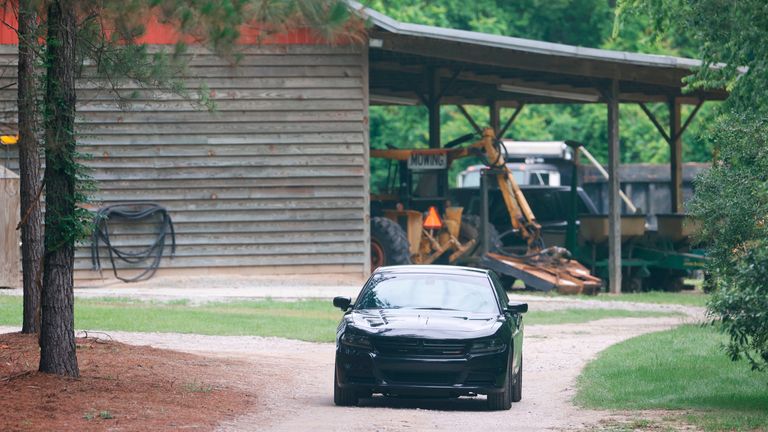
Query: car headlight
point(487, 346)
point(356, 340)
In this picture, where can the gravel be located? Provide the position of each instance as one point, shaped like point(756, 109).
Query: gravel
point(294, 379)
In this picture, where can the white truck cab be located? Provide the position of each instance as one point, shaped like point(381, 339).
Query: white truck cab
point(528, 162)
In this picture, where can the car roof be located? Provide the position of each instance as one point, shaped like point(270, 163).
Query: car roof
point(433, 269)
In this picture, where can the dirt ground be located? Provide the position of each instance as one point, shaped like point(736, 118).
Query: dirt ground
point(121, 388)
point(292, 383)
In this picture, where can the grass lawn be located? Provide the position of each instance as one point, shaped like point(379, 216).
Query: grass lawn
point(687, 298)
point(309, 320)
point(568, 316)
point(680, 369)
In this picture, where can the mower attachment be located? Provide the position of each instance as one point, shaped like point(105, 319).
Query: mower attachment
point(545, 271)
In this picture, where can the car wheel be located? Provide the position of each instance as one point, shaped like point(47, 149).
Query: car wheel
point(502, 400)
point(517, 388)
point(341, 396)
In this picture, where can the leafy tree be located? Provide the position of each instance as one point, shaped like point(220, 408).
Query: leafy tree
point(106, 34)
point(732, 198)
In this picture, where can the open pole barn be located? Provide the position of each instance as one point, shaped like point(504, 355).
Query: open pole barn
point(276, 179)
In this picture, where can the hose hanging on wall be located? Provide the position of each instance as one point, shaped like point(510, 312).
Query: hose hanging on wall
point(133, 212)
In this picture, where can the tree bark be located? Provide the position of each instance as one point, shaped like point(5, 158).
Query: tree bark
point(29, 169)
point(57, 336)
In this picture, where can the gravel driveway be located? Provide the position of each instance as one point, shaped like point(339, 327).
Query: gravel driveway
point(294, 379)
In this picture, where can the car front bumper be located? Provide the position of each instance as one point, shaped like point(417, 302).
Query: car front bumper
point(372, 372)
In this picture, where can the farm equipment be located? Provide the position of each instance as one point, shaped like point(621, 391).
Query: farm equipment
point(422, 184)
point(413, 221)
point(652, 258)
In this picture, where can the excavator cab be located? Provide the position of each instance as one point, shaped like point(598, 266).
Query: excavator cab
point(414, 209)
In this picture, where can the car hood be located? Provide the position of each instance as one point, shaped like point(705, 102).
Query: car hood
point(425, 323)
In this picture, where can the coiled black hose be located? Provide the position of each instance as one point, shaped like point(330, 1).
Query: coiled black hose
point(138, 211)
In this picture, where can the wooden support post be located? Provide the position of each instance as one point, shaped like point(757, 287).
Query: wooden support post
point(614, 186)
point(433, 84)
point(675, 157)
point(494, 115)
point(469, 118)
point(509, 122)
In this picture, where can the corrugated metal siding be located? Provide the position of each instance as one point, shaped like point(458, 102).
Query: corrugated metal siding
point(276, 176)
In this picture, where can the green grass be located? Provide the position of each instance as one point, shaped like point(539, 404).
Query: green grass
point(680, 369)
point(572, 316)
point(309, 320)
point(687, 298)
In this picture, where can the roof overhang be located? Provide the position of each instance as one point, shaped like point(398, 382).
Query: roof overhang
point(479, 68)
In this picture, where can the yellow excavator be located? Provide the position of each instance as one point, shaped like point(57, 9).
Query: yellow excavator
point(406, 226)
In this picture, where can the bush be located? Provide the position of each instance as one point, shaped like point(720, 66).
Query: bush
point(732, 201)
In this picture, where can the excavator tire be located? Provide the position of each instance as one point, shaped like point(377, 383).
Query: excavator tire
point(389, 244)
point(470, 229)
point(473, 221)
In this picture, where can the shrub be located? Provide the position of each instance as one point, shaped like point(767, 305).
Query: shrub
point(732, 201)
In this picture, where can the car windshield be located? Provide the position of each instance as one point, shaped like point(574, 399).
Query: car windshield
point(430, 292)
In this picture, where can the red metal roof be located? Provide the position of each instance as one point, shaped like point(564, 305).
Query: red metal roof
point(165, 34)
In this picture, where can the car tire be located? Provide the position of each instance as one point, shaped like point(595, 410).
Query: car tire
point(389, 243)
point(343, 397)
point(503, 400)
point(517, 388)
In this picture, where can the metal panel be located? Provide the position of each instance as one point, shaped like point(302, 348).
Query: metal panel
point(276, 175)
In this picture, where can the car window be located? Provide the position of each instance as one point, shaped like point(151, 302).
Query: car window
point(500, 291)
point(429, 291)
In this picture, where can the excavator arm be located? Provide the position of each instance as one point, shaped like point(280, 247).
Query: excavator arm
point(540, 268)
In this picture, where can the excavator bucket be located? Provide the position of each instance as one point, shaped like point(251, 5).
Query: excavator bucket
point(546, 271)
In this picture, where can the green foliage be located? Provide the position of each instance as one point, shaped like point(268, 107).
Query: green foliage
point(732, 198)
point(679, 369)
point(732, 201)
point(576, 22)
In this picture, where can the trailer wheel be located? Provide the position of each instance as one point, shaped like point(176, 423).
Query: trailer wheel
point(663, 280)
point(389, 244)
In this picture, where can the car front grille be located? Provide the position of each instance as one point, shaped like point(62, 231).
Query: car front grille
point(420, 348)
point(428, 378)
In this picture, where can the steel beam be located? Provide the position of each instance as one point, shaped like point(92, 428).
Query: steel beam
point(614, 186)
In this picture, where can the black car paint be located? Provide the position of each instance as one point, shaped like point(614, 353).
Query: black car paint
point(441, 363)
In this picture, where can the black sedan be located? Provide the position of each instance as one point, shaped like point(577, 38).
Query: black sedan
point(430, 331)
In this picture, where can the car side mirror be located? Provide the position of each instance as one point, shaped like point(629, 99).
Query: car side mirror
point(517, 307)
point(342, 302)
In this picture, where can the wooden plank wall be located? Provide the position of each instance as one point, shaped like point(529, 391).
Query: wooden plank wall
point(275, 180)
point(10, 254)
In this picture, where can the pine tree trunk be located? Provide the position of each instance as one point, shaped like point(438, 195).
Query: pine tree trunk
point(29, 169)
point(57, 336)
